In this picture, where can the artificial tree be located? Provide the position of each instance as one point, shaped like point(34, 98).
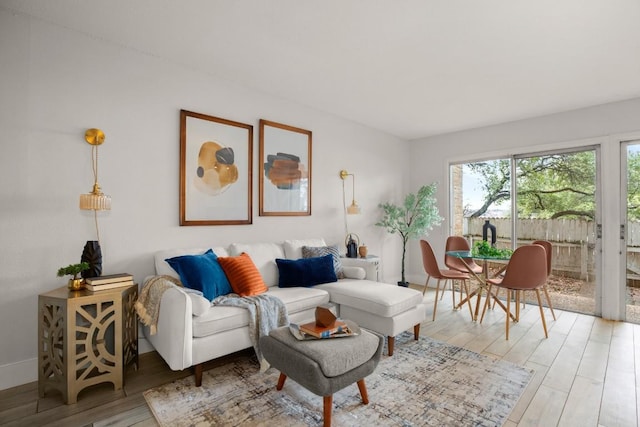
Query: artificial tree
point(73, 270)
point(414, 218)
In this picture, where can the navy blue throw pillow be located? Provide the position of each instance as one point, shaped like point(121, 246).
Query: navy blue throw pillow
point(306, 272)
point(203, 273)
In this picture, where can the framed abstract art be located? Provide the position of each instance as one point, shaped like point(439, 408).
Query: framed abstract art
point(285, 170)
point(215, 170)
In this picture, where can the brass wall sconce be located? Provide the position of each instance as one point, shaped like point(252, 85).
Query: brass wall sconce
point(353, 208)
point(96, 200)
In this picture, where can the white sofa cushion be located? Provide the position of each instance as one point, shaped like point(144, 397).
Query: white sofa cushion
point(293, 248)
point(163, 267)
point(300, 299)
point(222, 318)
point(263, 256)
point(377, 298)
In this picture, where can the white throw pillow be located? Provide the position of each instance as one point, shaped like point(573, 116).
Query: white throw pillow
point(293, 248)
point(354, 272)
point(199, 304)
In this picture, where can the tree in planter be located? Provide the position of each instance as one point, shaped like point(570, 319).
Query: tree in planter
point(414, 218)
point(73, 270)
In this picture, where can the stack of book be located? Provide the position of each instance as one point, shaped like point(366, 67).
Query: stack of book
point(110, 281)
point(338, 328)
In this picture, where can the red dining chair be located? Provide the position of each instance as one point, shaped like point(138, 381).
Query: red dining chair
point(527, 271)
point(548, 249)
point(459, 243)
point(432, 269)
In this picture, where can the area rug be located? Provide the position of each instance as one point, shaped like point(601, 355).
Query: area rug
point(424, 383)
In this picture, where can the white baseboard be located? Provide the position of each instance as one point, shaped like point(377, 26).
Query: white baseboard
point(26, 371)
point(144, 346)
point(15, 374)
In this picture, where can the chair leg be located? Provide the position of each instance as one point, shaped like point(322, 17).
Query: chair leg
point(546, 293)
point(518, 293)
point(435, 301)
point(327, 407)
point(466, 290)
point(416, 332)
point(444, 288)
point(363, 391)
point(544, 323)
point(390, 344)
point(453, 293)
point(426, 285)
point(508, 313)
point(486, 303)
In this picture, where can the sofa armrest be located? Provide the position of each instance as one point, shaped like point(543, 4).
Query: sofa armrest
point(174, 337)
point(354, 272)
point(370, 268)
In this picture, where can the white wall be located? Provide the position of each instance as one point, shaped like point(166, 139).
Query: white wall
point(604, 125)
point(56, 83)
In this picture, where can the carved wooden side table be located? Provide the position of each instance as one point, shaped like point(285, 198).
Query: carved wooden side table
point(85, 338)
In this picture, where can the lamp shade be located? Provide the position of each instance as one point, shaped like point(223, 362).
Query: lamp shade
point(95, 202)
point(353, 208)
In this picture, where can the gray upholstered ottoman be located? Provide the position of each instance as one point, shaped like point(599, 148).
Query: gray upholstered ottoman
point(323, 366)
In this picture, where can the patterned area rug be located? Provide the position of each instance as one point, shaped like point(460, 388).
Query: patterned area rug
point(425, 383)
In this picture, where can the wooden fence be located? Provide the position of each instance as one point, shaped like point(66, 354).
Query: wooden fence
point(573, 241)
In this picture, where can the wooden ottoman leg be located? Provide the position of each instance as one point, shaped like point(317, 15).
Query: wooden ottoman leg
point(416, 332)
point(363, 391)
point(281, 381)
point(390, 342)
point(328, 404)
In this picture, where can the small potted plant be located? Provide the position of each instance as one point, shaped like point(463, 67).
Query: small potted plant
point(74, 270)
point(414, 218)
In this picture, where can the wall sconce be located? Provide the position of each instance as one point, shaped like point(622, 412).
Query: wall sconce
point(353, 209)
point(96, 200)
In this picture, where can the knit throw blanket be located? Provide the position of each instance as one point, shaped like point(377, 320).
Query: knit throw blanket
point(266, 312)
point(148, 304)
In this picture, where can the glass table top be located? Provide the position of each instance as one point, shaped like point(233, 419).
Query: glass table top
point(470, 254)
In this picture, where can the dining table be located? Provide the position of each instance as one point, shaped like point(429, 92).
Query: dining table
point(483, 286)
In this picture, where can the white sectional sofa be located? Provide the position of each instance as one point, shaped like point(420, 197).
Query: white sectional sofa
point(190, 331)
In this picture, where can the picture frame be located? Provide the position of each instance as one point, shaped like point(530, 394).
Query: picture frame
point(216, 164)
point(285, 170)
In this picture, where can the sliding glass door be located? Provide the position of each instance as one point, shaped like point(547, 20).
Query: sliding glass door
point(556, 200)
point(553, 197)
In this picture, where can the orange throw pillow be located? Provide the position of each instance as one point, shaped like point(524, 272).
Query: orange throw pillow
point(243, 275)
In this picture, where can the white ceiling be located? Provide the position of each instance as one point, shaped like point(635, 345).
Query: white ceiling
point(412, 68)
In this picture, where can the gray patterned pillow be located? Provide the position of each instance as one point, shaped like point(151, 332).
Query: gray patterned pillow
point(317, 251)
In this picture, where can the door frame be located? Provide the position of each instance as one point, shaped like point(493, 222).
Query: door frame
point(623, 144)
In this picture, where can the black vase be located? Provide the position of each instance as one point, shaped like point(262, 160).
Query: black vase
point(93, 255)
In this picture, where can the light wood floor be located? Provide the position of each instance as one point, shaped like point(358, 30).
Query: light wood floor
point(587, 373)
